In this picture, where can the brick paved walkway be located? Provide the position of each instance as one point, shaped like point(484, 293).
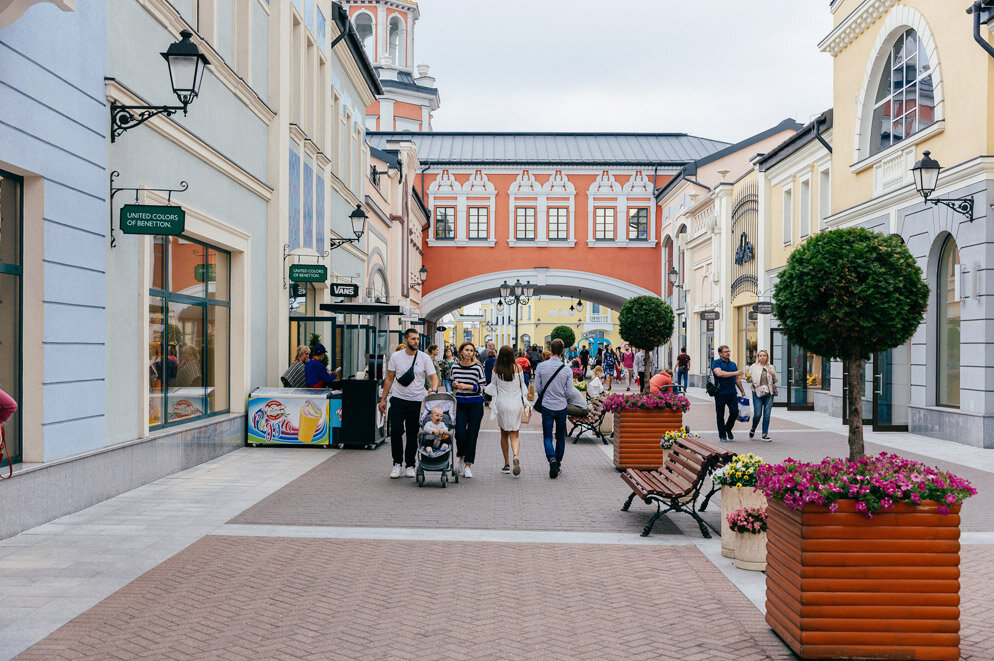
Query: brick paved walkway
point(253, 598)
point(343, 562)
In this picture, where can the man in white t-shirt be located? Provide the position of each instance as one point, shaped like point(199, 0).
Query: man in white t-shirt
point(405, 384)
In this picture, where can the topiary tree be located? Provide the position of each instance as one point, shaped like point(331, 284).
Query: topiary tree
point(645, 322)
point(564, 333)
point(848, 294)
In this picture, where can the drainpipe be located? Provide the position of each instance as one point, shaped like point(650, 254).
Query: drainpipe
point(342, 20)
point(818, 134)
point(982, 11)
point(655, 169)
point(425, 199)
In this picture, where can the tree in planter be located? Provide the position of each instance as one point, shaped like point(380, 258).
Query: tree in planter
point(564, 333)
point(645, 322)
point(848, 294)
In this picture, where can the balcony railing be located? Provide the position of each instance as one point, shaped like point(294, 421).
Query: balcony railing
point(599, 318)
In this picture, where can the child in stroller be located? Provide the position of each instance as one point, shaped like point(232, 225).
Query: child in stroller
point(438, 412)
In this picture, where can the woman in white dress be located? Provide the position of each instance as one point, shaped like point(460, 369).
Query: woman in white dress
point(509, 393)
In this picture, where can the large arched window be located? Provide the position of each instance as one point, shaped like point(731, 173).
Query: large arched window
point(396, 41)
point(947, 362)
point(364, 26)
point(904, 95)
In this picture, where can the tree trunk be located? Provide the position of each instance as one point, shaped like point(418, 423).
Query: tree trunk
point(854, 366)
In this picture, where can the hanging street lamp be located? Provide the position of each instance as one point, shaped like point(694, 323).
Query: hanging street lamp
point(926, 176)
point(517, 294)
point(358, 218)
point(186, 71)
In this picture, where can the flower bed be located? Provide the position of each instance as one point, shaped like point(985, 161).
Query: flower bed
point(875, 483)
point(739, 472)
point(748, 520)
point(666, 442)
point(647, 402)
point(580, 385)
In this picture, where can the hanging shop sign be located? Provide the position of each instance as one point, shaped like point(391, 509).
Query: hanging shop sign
point(148, 219)
point(753, 316)
point(205, 272)
point(346, 289)
point(710, 315)
point(763, 307)
point(308, 272)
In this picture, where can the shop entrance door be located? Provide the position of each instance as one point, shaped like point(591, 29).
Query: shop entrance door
point(317, 330)
point(797, 379)
point(867, 389)
point(891, 388)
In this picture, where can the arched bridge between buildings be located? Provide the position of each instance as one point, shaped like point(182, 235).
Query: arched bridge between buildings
point(590, 286)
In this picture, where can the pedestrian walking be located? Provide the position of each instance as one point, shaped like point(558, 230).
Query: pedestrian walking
point(608, 362)
point(526, 366)
point(446, 367)
point(509, 393)
point(584, 360)
point(763, 379)
point(682, 368)
point(728, 377)
point(406, 391)
point(639, 367)
point(468, 382)
point(628, 365)
point(553, 381)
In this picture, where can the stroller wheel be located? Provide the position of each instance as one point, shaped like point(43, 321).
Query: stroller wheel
point(421, 479)
point(443, 481)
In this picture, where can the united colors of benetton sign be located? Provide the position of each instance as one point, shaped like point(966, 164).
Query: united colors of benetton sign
point(148, 219)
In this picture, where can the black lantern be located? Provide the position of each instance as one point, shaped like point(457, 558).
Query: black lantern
point(516, 294)
point(505, 289)
point(674, 277)
point(358, 218)
point(419, 279)
point(926, 176)
point(186, 71)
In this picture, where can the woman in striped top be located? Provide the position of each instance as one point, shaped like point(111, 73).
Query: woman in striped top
point(468, 381)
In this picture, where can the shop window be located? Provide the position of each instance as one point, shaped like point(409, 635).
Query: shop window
point(558, 228)
point(604, 221)
point(947, 345)
point(524, 223)
point(11, 195)
point(479, 222)
point(638, 224)
point(904, 96)
point(445, 222)
point(189, 331)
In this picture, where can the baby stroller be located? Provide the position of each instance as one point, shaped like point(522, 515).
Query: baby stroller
point(429, 460)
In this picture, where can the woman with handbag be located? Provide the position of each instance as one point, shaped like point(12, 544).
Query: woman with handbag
point(763, 379)
point(509, 392)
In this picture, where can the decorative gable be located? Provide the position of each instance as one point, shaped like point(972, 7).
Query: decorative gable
point(525, 184)
point(605, 184)
point(445, 183)
point(638, 184)
point(558, 184)
point(479, 184)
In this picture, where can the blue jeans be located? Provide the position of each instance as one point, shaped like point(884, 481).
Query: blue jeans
point(558, 418)
point(681, 377)
point(762, 406)
point(448, 384)
point(527, 378)
point(721, 400)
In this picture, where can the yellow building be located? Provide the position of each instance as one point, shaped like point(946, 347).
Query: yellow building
point(593, 324)
point(909, 77)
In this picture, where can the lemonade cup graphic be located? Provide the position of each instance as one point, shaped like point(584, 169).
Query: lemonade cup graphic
point(310, 416)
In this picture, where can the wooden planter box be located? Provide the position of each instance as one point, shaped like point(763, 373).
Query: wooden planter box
point(637, 435)
point(839, 585)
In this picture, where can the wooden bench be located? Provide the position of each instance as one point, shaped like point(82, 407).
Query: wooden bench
point(592, 422)
point(679, 481)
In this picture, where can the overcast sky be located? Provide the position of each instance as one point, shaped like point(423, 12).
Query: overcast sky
point(718, 68)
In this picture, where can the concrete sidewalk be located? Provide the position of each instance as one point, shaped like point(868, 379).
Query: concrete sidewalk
point(310, 553)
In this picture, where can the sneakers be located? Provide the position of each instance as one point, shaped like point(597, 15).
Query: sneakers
point(410, 471)
point(460, 467)
point(395, 473)
point(517, 467)
point(553, 468)
point(467, 472)
point(506, 469)
point(731, 437)
point(767, 437)
point(752, 433)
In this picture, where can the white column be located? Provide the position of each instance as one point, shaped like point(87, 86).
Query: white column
point(381, 39)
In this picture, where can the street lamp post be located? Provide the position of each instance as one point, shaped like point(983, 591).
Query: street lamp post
point(515, 295)
point(926, 176)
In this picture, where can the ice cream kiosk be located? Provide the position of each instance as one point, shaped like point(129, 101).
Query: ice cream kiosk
point(294, 416)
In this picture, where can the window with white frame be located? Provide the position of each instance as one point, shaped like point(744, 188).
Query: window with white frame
point(904, 96)
point(524, 223)
point(479, 222)
point(824, 196)
point(804, 202)
point(364, 26)
point(445, 222)
point(604, 223)
point(788, 215)
point(638, 224)
point(558, 227)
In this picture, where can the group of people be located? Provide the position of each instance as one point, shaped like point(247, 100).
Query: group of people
point(502, 376)
point(308, 369)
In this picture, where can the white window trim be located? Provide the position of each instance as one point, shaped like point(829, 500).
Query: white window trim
point(827, 169)
point(802, 231)
point(788, 189)
point(900, 18)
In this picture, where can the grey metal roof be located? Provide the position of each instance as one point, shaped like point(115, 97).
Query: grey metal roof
point(552, 148)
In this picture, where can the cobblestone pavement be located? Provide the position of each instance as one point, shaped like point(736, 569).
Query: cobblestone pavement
point(323, 556)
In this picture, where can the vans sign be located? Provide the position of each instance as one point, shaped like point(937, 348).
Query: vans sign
point(350, 290)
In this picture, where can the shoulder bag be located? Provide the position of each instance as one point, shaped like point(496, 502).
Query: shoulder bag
point(407, 378)
point(538, 400)
point(710, 386)
point(526, 411)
